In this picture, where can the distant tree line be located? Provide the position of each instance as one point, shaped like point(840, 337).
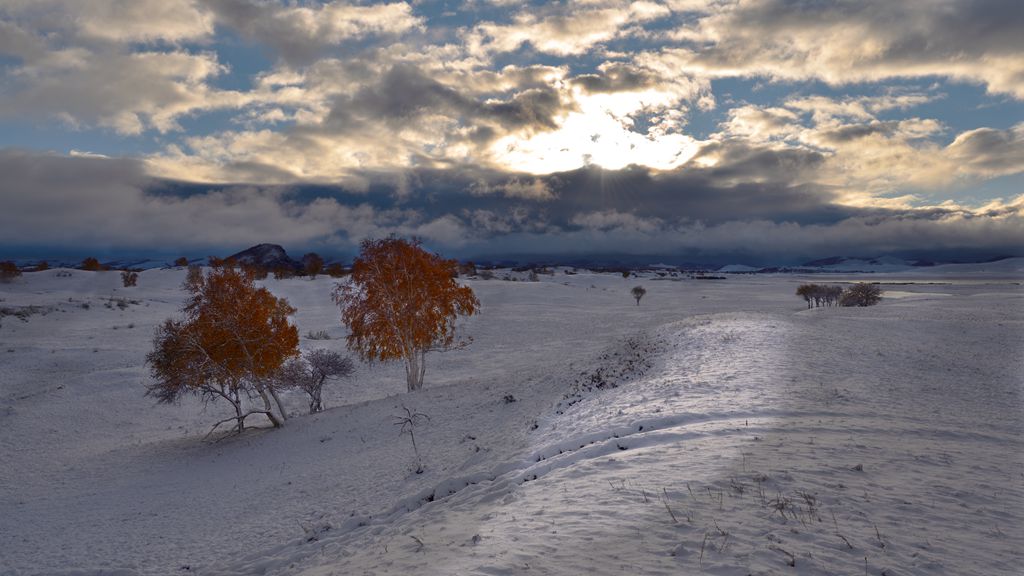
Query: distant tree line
point(817, 295)
point(311, 266)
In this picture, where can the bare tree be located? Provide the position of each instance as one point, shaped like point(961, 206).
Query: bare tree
point(806, 291)
point(861, 295)
point(310, 371)
point(819, 295)
point(638, 293)
point(312, 264)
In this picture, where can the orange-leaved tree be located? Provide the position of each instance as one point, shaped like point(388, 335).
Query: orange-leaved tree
point(92, 264)
point(230, 344)
point(9, 271)
point(402, 302)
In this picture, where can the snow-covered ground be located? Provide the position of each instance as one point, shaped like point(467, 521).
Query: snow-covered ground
point(719, 426)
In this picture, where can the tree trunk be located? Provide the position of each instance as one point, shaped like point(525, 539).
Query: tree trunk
point(314, 402)
point(237, 403)
point(280, 406)
point(269, 409)
point(415, 366)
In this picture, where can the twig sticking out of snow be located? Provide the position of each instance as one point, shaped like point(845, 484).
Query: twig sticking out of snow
point(408, 422)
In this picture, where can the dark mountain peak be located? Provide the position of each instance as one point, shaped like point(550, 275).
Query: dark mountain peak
point(266, 256)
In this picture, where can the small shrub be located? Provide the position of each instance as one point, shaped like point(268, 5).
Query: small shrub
point(318, 335)
point(486, 275)
point(181, 262)
point(129, 278)
point(91, 264)
point(42, 266)
point(310, 371)
point(256, 271)
point(336, 270)
point(9, 271)
point(638, 293)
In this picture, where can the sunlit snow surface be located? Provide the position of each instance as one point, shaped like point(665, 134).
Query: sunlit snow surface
point(747, 434)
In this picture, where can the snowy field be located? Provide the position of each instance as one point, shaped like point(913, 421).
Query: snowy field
point(718, 427)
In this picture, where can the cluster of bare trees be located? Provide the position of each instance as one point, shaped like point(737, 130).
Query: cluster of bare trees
point(857, 295)
point(820, 295)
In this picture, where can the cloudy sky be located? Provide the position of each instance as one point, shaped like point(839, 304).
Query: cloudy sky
point(725, 130)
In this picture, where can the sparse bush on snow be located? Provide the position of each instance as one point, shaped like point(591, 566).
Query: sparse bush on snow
point(129, 278)
point(638, 293)
point(310, 371)
point(92, 265)
point(336, 270)
point(9, 271)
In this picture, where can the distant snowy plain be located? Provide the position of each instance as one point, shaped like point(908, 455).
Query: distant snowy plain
point(718, 427)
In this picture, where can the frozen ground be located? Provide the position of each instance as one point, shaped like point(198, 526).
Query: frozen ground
point(717, 427)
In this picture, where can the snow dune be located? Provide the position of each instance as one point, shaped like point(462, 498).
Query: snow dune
point(717, 427)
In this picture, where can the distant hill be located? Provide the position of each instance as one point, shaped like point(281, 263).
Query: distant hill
point(269, 256)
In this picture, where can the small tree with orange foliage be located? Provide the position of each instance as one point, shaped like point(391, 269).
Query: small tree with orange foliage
point(9, 271)
point(232, 341)
point(400, 303)
point(92, 265)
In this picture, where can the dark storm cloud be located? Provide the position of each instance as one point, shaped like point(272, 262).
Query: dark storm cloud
point(406, 92)
point(853, 132)
point(700, 212)
point(301, 33)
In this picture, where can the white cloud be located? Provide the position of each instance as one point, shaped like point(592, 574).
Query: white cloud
point(846, 42)
point(567, 30)
point(115, 20)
